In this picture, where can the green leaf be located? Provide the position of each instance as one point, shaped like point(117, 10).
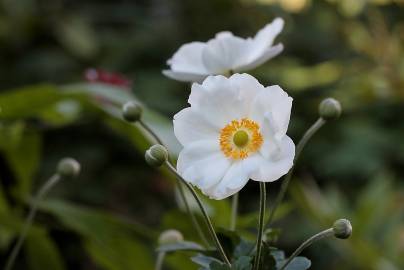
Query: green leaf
point(203, 260)
point(244, 248)
point(242, 263)
point(218, 266)
point(42, 253)
point(298, 263)
point(180, 246)
point(22, 149)
point(27, 101)
point(112, 242)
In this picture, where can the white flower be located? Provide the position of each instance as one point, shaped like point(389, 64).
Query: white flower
point(225, 53)
point(234, 130)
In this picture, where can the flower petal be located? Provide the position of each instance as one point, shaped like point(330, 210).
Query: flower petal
point(224, 53)
point(184, 76)
point(190, 126)
point(202, 164)
point(218, 100)
point(265, 38)
point(188, 60)
point(259, 60)
point(278, 165)
point(235, 179)
point(273, 105)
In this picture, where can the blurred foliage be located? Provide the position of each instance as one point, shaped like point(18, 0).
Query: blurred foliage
point(351, 50)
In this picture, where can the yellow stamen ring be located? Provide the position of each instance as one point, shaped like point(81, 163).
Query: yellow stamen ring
point(240, 138)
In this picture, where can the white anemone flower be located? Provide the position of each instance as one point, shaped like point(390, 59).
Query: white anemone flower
point(234, 130)
point(224, 54)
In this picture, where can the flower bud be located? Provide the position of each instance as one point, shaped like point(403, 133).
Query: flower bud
point(342, 228)
point(330, 109)
point(131, 111)
point(170, 237)
point(156, 155)
point(68, 167)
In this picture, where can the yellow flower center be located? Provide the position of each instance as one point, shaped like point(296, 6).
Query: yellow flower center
point(240, 138)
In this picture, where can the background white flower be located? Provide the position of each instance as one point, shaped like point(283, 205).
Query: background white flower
point(234, 130)
point(194, 61)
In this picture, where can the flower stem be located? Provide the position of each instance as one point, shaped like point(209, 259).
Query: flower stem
point(204, 213)
point(180, 188)
point(151, 132)
point(29, 220)
point(260, 225)
point(234, 210)
point(159, 261)
point(303, 141)
point(192, 215)
point(308, 242)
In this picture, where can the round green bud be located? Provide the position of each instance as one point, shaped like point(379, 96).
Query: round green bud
point(131, 111)
point(156, 155)
point(68, 167)
point(330, 109)
point(342, 228)
point(170, 237)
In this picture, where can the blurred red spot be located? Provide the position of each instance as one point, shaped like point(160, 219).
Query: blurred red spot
point(93, 75)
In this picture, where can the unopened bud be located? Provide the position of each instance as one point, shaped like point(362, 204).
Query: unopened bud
point(342, 228)
point(330, 109)
point(170, 237)
point(156, 155)
point(131, 111)
point(68, 167)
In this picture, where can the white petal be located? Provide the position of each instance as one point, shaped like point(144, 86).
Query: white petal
point(273, 105)
point(202, 164)
point(190, 126)
point(218, 100)
point(235, 179)
point(261, 59)
point(224, 53)
point(184, 76)
point(265, 37)
point(278, 165)
point(187, 62)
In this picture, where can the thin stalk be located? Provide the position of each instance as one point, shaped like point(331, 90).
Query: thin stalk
point(159, 261)
point(204, 213)
point(234, 211)
point(299, 148)
point(260, 225)
point(151, 132)
point(308, 242)
point(192, 215)
point(182, 194)
point(29, 220)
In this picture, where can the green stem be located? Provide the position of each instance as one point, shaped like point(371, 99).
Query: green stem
point(260, 225)
point(234, 210)
point(182, 194)
point(192, 215)
point(29, 220)
point(159, 261)
point(204, 213)
point(151, 132)
point(306, 137)
point(308, 242)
